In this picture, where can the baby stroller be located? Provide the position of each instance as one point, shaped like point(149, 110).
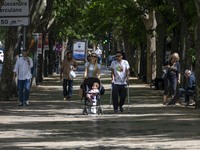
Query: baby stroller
point(92, 106)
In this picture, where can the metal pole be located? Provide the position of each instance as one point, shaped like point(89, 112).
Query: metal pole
point(24, 38)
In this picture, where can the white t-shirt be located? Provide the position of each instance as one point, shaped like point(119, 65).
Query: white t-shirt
point(120, 71)
point(23, 68)
point(98, 52)
point(91, 68)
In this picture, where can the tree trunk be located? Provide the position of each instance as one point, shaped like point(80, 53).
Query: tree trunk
point(8, 86)
point(137, 58)
point(160, 49)
point(150, 24)
point(197, 45)
point(185, 40)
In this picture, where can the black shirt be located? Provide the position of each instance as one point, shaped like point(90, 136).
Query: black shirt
point(173, 70)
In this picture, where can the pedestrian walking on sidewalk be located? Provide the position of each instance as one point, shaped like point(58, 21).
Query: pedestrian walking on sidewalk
point(22, 70)
point(98, 51)
point(68, 64)
point(119, 79)
point(92, 68)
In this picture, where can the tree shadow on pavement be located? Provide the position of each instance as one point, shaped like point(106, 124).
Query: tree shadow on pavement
point(52, 123)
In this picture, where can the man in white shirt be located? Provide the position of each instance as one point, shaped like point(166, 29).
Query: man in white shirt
point(98, 51)
point(120, 78)
point(22, 70)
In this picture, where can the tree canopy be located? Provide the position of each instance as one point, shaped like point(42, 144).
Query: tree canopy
point(143, 29)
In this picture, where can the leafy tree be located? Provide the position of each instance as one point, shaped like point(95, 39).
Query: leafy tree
point(197, 46)
point(40, 17)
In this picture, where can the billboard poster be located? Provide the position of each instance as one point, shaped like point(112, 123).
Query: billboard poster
point(79, 50)
point(46, 42)
point(39, 46)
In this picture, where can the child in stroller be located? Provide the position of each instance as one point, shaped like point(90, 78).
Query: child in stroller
point(92, 94)
point(91, 91)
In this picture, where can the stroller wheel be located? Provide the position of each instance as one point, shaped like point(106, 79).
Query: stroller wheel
point(100, 111)
point(85, 112)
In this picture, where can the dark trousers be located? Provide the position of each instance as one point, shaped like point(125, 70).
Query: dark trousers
point(170, 84)
point(67, 87)
point(180, 93)
point(118, 90)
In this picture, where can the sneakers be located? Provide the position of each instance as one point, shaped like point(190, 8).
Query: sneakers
point(20, 104)
point(171, 103)
point(27, 103)
point(121, 109)
point(165, 103)
point(69, 98)
point(116, 111)
point(185, 103)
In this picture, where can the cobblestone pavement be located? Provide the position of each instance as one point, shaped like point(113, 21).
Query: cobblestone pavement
point(52, 123)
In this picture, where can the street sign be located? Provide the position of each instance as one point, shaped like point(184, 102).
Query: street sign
point(15, 8)
point(16, 21)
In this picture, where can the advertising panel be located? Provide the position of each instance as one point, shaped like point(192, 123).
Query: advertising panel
point(39, 46)
point(46, 42)
point(79, 50)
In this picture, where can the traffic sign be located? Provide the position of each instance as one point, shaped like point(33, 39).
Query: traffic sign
point(14, 8)
point(14, 21)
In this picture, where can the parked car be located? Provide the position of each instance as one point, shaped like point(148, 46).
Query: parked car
point(110, 59)
point(1, 56)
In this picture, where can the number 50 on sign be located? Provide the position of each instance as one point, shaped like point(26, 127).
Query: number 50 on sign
point(16, 21)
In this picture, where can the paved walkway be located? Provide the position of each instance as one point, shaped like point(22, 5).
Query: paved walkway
point(52, 123)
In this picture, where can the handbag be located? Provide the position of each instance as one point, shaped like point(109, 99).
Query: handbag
point(164, 75)
point(72, 74)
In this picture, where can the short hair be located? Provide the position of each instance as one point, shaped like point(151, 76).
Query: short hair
point(119, 52)
point(188, 72)
point(96, 84)
point(69, 52)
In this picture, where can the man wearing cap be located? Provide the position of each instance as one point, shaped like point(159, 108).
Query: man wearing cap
point(188, 91)
point(22, 70)
point(67, 65)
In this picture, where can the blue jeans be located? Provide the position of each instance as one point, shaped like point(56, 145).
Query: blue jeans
point(24, 90)
point(99, 60)
point(67, 91)
point(180, 93)
point(118, 90)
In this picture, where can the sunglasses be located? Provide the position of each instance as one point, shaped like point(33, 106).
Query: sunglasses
point(93, 56)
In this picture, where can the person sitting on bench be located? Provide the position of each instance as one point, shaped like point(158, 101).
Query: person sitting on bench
point(188, 91)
